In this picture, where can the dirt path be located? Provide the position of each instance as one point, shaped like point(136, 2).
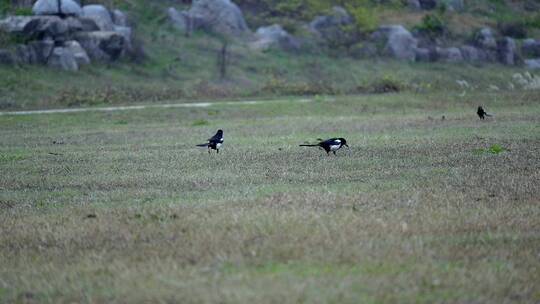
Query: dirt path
point(155, 106)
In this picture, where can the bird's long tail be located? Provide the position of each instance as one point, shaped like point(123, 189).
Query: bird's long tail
point(203, 145)
point(308, 145)
point(488, 115)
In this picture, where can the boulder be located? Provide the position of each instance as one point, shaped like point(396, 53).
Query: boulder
point(101, 45)
point(7, 57)
point(472, 54)
point(100, 14)
point(532, 63)
point(74, 24)
point(485, 39)
point(428, 4)
point(451, 54)
point(46, 26)
point(326, 25)
point(398, 42)
point(506, 51)
point(274, 36)
point(425, 55)
point(15, 24)
point(414, 4)
point(119, 18)
point(219, 16)
point(177, 19)
point(78, 52)
point(26, 54)
point(331, 29)
point(456, 5)
point(88, 24)
point(127, 34)
point(62, 58)
point(530, 48)
point(183, 21)
point(42, 49)
point(50, 7)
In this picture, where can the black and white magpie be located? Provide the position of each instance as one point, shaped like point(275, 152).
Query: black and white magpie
point(215, 142)
point(481, 113)
point(330, 145)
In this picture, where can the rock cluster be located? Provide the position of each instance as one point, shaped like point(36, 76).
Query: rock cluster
point(393, 41)
point(67, 36)
point(218, 16)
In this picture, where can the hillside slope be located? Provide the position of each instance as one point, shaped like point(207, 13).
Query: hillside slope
point(185, 68)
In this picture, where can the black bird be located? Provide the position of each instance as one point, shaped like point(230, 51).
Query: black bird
point(481, 113)
point(332, 144)
point(215, 142)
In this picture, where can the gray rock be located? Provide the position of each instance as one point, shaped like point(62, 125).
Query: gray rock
point(338, 18)
point(126, 32)
point(74, 24)
point(119, 18)
point(451, 54)
point(472, 54)
point(177, 19)
point(26, 54)
point(530, 48)
point(532, 63)
point(456, 5)
point(78, 52)
point(506, 51)
point(15, 24)
point(485, 39)
point(425, 55)
point(274, 36)
point(330, 28)
point(398, 42)
point(101, 45)
point(414, 4)
point(42, 49)
point(100, 14)
point(62, 58)
point(219, 16)
point(428, 4)
point(88, 25)
point(47, 26)
point(7, 58)
point(50, 7)
point(183, 21)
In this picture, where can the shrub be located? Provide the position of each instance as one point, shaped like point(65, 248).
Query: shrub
point(364, 17)
point(432, 25)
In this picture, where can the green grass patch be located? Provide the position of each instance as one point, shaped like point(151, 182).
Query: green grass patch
point(493, 149)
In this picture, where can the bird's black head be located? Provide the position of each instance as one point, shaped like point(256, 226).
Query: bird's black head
point(480, 108)
point(219, 132)
point(343, 142)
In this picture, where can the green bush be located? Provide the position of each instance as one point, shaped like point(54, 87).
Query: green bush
point(5, 6)
point(364, 17)
point(432, 25)
point(22, 11)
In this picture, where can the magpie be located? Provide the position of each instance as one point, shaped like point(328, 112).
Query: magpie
point(215, 142)
point(332, 144)
point(481, 113)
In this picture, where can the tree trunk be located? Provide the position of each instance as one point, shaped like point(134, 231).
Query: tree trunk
point(222, 60)
point(60, 8)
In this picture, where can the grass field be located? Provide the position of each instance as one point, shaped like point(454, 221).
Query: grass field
point(121, 207)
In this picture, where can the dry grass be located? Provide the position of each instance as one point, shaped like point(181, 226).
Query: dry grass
point(127, 210)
